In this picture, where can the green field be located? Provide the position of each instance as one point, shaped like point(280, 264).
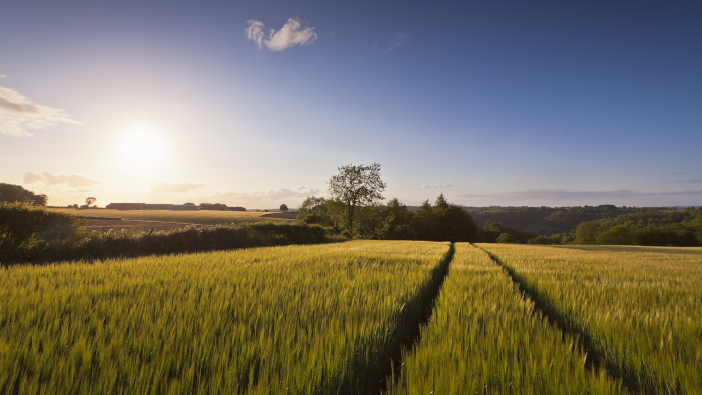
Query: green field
point(334, 318)
point(201, 217)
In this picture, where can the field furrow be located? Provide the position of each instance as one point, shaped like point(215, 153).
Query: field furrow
point(300, 319)
point(483, 337)
point(637, 309)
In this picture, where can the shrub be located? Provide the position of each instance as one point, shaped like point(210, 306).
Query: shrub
point(618, 235)
point(31, 234)
point(507, 238)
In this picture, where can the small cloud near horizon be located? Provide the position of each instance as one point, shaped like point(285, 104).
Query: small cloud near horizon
point(695, 181)
point(157, 186)
point(289, 35)
point(3, 75)
point(18, 114)
point(268, 195)
point(49, 179)
point(436, 186)
point(563, 194)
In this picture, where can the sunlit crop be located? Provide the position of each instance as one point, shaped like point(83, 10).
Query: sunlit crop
point(640, 307)
point(301, 319)
point(485, 338)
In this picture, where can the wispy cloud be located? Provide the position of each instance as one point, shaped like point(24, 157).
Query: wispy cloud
point(49, 179)
point(437, 186)
point(18, 114)
point(157, 186)
point(397, 42)
point(563, 194)
point(696, 181)
point(271, 194)
point(290, 34)
point(3, 75)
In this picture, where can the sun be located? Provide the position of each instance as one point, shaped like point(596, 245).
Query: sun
point(141, 149)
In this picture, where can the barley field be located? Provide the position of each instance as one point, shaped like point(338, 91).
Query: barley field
point(639, 308)
point(484, 338)
point(201, 217)
point(298, 320)
point(345, 318)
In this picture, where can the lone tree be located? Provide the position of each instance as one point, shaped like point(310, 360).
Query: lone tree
point(90, 201)
point(357, 185)
point(283, 208)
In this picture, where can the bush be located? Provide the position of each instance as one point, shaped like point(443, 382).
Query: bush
point(540, 240)
point(507, 238)
point(618, 235)
point(25, 227)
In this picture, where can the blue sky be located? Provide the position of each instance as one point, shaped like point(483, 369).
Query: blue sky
point(491, 103)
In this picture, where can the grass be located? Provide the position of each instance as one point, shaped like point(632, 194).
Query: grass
point(201, 217)
point(298, 319)
point(483, 337)
point(640, 311)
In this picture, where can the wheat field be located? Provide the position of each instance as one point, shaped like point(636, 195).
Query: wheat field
point(639, 307)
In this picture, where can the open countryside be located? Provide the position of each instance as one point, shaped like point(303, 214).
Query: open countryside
point(351, 198)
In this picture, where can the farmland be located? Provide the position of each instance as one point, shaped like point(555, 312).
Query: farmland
point(353, 318)
point(201, 217)
point(637, 310)
point(272, 320)
point(485, 338)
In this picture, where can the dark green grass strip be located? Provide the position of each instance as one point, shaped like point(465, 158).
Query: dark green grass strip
point(370, 376)
point(569, 326)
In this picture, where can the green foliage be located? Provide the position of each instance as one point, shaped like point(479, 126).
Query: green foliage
point(213, 206)
point(558, 238)
point(10, 193)
point(618, 235)
point(34, 234)
point(444, 222)
point(483, 338)
point(357, 186)
point(492, 230)
point(296, 320)
point(284, 208)
point(586, 233)
point(507, 238)
point(638, 310)
point(24, 227)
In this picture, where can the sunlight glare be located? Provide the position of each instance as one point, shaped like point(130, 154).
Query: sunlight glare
point(141, 149)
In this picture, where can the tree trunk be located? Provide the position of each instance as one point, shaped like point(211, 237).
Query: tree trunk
point(351, 210)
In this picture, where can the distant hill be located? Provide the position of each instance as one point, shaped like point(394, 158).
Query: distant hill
point(550, 220)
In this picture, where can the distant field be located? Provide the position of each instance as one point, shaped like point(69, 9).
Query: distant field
point(202, 217)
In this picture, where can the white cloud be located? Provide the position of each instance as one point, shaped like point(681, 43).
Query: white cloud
point(563, 194)
point(3, 75)
point(269, 195)
point(157, 186)
point(18, 114)
point(255, 31)
point(397, 42)
point(290, 34)
point(71, 180)
point(437, 186)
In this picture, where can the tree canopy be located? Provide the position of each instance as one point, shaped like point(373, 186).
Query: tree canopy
point(357, 186)
point(10, 193)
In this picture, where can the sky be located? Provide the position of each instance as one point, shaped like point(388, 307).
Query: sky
point(258, 103)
